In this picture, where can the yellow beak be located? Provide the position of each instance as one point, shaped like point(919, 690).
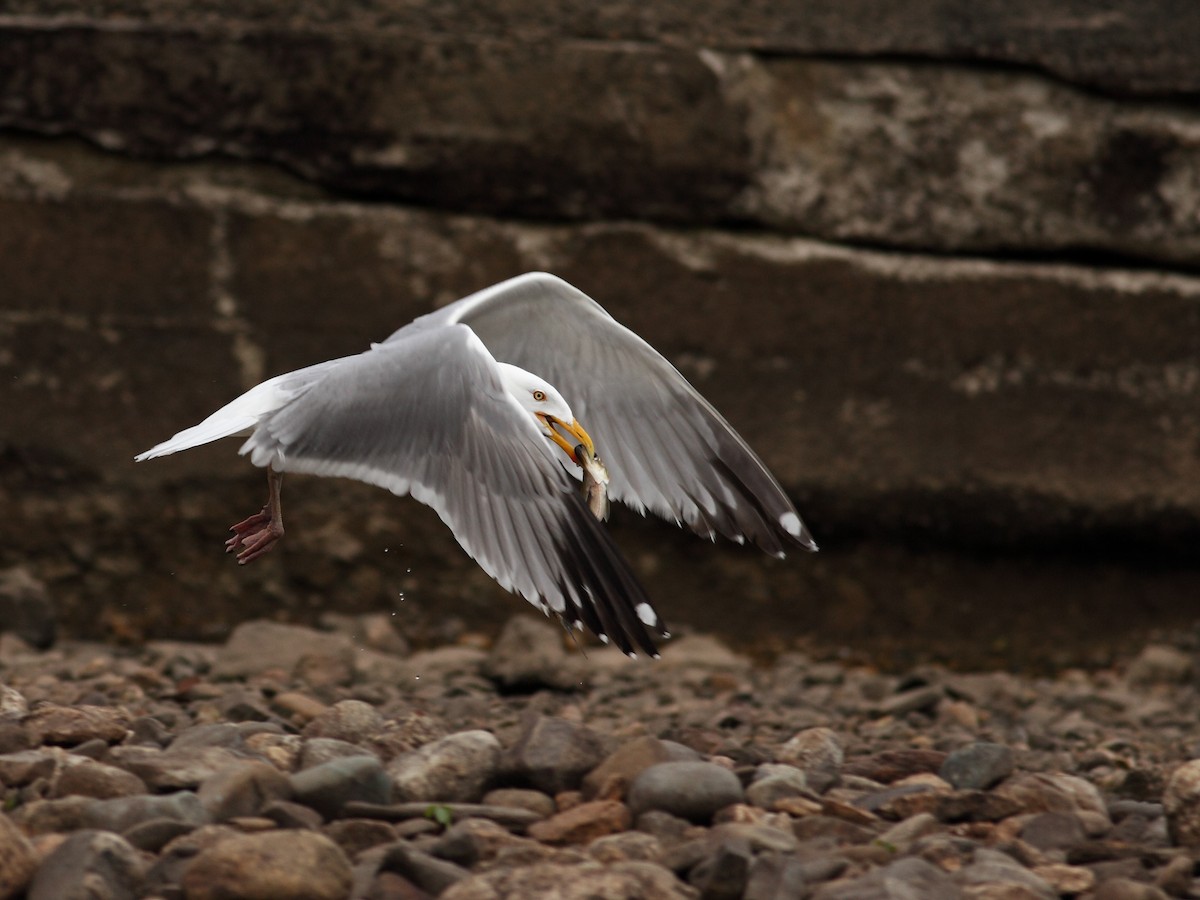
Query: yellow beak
point(575, 430)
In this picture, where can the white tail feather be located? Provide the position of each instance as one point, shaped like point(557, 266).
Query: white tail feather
point(240, 416)
point(237, 417)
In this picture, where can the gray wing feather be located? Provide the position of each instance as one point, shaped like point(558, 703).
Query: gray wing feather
point(666, 448)
point(426, 414)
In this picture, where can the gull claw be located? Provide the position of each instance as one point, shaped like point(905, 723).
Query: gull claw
point(254, 536)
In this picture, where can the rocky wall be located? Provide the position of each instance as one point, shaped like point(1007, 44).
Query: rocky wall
point(938, 268)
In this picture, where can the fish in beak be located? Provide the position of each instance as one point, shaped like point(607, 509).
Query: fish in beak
point(582, 452)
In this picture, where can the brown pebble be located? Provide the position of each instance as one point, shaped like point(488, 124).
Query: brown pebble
point(797, 806)
point(301, 707)
point(18, 858)
point(611, 779)
point(565, 800)
point(1176, 876)
point(270, 865)
point(583, 823)
point(888, 766)
point(68, 726)
point(847, 812)
point(93, 779)
point(1069, 880)
point(391, 886)
point(356, 835)
point(1181, 802)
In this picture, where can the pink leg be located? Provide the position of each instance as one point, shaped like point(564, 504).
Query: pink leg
point(256, 535)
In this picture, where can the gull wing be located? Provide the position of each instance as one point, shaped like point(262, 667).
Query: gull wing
point(426, 414)
point(666, 448)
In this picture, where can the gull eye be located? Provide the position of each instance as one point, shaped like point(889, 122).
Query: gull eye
point(539, 396)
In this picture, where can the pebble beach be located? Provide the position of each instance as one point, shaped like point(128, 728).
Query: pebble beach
point(293, 762)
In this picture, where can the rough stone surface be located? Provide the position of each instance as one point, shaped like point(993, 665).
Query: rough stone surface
point(255, 646)
point(553, 755)
point(817, 752)
point(330, 786)
point(69, 726)
point(1096, 803)
point(280, 864)
point(977, 766)
point(1161, 663)
point(425, 871)
point(243, 790)
point(774, 781)
point(998, 873)
point(26, 609)
point(121, 813)
point(456, 768)
point(690, 790)
point(178, 767)
point(473, 841)
point(1054, 831)
point(912, 877)
point(355, 836)
point(93, 779)
point(584, 823)
point(18, 860)
point(1054, 792)
point(573, 882)
point(689, 109)
point(529, 654)
point(347, 720)
point(1181, 801)
point(623, 765)
point(89, 864)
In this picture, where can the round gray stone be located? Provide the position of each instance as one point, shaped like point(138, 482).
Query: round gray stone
point(122, 813)
point(330, 786)
point(978, 766)
point(690, 790)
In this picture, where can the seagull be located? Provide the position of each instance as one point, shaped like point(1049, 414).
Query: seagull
point(448, 410)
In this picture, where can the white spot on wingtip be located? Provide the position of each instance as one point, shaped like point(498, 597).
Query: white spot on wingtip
point(781, 555)
point(666, 635)
point(790, 522)
point(603, 638)
point(646, 614)
point(631, 655)
point(740, 538)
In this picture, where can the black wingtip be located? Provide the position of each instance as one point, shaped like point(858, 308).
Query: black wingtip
point(610, 600)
